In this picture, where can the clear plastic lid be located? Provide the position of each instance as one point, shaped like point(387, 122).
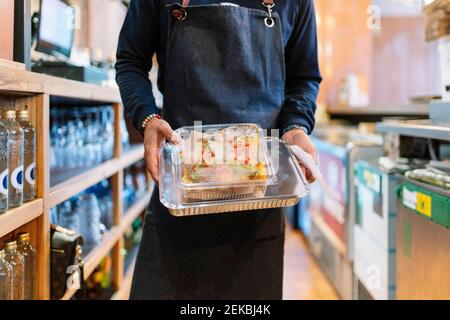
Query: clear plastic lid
point(222, 156)
point(284, 189)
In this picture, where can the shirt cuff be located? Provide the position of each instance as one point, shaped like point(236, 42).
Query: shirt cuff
point(293, 126)
point(140, 117)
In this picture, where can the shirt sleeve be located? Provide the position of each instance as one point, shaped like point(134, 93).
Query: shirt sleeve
point(138, 41)
point(302, 71)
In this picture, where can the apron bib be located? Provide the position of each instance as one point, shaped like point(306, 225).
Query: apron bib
point(225, 64)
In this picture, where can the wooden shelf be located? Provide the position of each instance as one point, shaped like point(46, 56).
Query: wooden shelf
point(130, 157)
point(12, 64)
point(75, 185)
point(16, 80)
point(15, 218)
point(94, 258)
point(134, 211)
point(124, 291)
point(97, 254)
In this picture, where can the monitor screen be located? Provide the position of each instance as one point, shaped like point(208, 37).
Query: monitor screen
point(56, 27)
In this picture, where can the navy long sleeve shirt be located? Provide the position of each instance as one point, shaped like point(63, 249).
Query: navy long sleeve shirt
point(144, 33)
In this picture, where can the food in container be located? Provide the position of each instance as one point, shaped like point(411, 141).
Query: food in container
point(222, 162)
point(272, 180)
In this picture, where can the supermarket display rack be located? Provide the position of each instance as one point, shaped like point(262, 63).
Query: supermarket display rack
point(20, 89)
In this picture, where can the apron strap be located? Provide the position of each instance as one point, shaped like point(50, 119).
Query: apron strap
point(180, 13)
point(185, 3)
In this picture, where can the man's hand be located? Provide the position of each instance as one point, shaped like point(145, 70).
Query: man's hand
point(300, 138)
point(156, 132)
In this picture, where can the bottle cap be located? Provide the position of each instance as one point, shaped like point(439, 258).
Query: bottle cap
point(23, 237)
point(10, 246)
point(23, 114)
point(10, 114)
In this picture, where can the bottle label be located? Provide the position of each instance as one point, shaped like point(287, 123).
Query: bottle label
point(17, 178)
point(30, 174)
point(4, 183)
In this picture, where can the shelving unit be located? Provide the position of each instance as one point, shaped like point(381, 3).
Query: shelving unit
point(21, 89)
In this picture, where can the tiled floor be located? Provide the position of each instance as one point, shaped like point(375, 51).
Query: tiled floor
point(303, 278)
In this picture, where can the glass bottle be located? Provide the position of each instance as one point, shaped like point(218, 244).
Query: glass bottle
point(90, 224)
point(15, 136)
point(6, 278)
point(68, 216)
point(26, 249)
point(4, 156)
point(16, 260)
point(29, 155)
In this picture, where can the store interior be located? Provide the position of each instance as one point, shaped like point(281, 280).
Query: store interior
point(382, 137)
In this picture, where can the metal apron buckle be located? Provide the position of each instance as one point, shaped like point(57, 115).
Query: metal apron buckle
point(269, 22)
point(179, 13)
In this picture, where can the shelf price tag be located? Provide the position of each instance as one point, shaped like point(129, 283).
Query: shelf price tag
point(424, 204)
point(409, 199)
point(372, 181)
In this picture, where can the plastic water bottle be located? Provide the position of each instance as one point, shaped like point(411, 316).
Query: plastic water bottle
point(17, 262)
point(26, 249)
point(15, 138)
point(6, 278)
point(29, 155)
point(4, 156)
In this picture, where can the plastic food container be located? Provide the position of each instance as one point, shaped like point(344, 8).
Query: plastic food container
point(222, 163)
point(228, 168)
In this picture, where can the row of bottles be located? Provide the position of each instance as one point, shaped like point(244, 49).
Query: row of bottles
point(17, 159)
point(18, 269)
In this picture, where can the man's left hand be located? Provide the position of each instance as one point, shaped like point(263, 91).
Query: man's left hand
point(300, 138)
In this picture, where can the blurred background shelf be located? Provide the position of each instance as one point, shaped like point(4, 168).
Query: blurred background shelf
point(81, 179)
point(124, 292)
point(110, 239)
point(86, 179)
point(418, 128)
point(133, 155)
point(134, 211)
point(387, 110)
point(17, 80)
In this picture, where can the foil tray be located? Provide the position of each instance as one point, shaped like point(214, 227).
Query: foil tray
point(285, 190)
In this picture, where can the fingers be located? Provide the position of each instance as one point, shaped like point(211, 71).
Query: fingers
point(151, 158)
point(156, 133)
point(167, 133)
point(309, 176)
point(307, 173)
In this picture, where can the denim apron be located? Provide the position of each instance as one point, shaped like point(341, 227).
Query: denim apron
point(225, 64)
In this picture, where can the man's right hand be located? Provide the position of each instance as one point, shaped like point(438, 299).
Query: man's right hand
point(155, 134)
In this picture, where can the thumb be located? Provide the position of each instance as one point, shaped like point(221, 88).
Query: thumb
point(169, 134)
